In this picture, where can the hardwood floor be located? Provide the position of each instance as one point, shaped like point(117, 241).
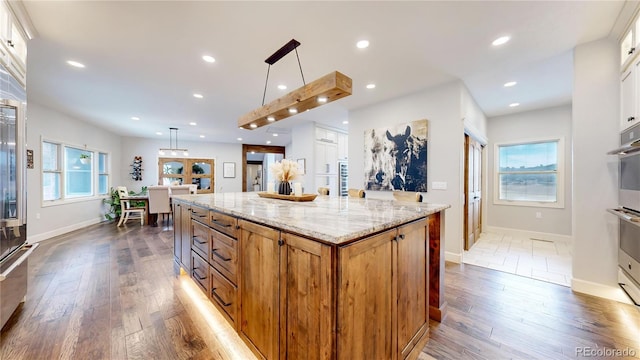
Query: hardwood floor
point(110, 293)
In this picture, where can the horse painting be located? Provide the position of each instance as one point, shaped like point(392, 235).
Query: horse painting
point(396, 159)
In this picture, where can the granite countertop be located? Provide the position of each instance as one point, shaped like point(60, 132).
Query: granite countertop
point(330, 219)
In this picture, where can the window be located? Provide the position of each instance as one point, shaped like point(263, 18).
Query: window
point(71, 173)
point(184, 171)
point(530, 173)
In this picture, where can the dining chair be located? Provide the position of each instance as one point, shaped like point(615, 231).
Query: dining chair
point(358, 193)
point(159, 202)
point(323, 190)
point(128, 212)
point(407, 196)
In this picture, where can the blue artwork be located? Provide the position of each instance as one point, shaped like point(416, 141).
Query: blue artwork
point(396, 158)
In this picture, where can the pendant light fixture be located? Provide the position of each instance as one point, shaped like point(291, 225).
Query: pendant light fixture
point(173, 151)
point(324, 90)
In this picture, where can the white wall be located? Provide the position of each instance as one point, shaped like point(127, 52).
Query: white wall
point(475, 122)
point(148, 149)
point(59, 219)
point(539, 124)
point(441, 106)
point(302, 146)
point(596, 102)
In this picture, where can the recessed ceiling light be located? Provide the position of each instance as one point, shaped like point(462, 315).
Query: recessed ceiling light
point(293, 111)
point(271, 118)
point(371, 86)
point(253, 126)
point(322, 99)
point(209, 59)
point(158, 133)
point(275, 134)
point(253, 152)
point(268, 142)
point(362, 44)
point(193, 123)
point(75, 64)
point(345, 122)
point(198, 96)
point(239, 139)
point(510, 84)
point(201, 136)
point(501, 40)
point(282, 87)
point(135, 118)
point(514, 104)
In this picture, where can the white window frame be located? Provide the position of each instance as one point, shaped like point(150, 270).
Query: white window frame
point(560, 175)
point(61, 171)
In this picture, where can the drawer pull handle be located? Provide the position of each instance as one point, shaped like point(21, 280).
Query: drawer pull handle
point(631, 118)
point(401, 236)
point(196, 214)
point(215, 252)
point(218, 222)
point(195, 238)
point(196, 275)
point(214, 294)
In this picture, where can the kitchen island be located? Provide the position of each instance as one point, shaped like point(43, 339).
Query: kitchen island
point(336, 277)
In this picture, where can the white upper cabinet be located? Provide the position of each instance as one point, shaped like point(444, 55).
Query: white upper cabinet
point(13, 45)
point(627, 48)
point(629, 99)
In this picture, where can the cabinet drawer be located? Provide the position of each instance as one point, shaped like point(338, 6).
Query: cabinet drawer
point(200, 238)
point(224, 254)
point(224, 223)
point(200, 272)
point(200, 214)
point(223, 293)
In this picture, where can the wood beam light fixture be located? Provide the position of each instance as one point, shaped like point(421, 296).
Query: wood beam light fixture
point(324, 90)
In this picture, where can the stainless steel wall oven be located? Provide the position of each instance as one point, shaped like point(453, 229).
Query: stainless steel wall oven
point(628, 212)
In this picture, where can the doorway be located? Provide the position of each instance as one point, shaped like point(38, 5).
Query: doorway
point(256, 160)
point(472, 191)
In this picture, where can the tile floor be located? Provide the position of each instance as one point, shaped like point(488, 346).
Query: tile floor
point(537, 259)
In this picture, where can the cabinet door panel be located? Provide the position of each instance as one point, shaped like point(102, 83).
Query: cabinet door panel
point(258, 286)
point(413, 284)
point(308, 313)
point(185, 226)
point(365, 298)
point(177, 232)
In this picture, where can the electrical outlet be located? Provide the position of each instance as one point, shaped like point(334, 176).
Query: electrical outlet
point(439, 185)
point(538, 215)
point(38, 216)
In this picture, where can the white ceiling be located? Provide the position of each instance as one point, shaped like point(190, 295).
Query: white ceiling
point(143, 58)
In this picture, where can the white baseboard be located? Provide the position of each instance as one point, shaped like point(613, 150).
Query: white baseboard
point(604, 291)
point(63, 230)
point(453, 257)
point(530, 234)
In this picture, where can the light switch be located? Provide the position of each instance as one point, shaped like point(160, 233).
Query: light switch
point(439, 185)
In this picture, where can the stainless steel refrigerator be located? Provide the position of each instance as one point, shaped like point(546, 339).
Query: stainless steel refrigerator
point(14, 249)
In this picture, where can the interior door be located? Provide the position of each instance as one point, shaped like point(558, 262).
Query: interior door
point(473, 191)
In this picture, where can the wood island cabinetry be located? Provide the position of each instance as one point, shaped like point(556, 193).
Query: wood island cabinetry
point(292, 296)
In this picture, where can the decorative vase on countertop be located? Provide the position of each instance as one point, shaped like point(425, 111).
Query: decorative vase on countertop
point(284, 188)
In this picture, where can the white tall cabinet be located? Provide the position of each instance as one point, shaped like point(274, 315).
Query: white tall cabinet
point(630, 76)
point(330, 146)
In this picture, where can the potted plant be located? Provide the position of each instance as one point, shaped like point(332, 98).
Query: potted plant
point(85, 158)
point(114, 205)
